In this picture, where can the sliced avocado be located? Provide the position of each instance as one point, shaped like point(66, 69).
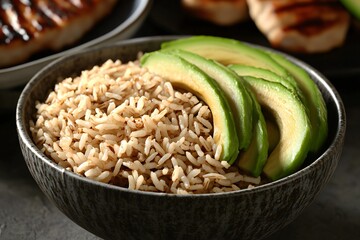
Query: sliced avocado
point(187, 76)
point(227, 51)
point(232, 86)
point(353, 6)
point(313, 100)
point(294, 126)
point(253, 159)
point(252, 71)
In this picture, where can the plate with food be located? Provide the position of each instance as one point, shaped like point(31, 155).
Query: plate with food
point(325, 34)
point(33, 33)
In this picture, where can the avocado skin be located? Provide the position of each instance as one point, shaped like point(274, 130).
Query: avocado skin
point(287, 110)
point(187, 76)
point(234, 89)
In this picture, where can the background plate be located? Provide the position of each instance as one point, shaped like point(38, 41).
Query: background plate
point(122, 23)
point(337, 64)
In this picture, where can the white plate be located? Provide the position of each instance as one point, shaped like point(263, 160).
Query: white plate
point(122, 23)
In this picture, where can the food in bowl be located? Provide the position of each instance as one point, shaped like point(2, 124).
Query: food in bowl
point(167, 123)
point(120, 124)
point(32, 27)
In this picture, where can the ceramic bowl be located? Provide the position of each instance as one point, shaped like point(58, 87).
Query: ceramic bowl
point(112, 212)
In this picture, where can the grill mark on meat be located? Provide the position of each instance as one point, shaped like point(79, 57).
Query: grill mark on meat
point(308, 22)
point(310, 27)
point(278, 8)
point(18, 23)
point(57, 11)
point(21, 20)
point(8, 32)
point(30, 27)
point(306, 26)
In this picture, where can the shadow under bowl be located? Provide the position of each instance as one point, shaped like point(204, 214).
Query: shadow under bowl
point(113, 212)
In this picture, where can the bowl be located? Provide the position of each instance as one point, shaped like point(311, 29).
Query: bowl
point(112, 212)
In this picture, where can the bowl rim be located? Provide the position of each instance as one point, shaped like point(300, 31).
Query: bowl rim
point(314, 74)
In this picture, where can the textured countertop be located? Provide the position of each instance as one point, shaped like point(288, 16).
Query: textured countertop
point(25, 212)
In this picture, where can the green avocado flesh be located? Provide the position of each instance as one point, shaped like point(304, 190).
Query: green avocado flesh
point(312, 99)
point(233, 88)
point(353, 6)
point(253, 159)
point(187, 76)
point(230, 52)
point(293, 123)
point(251, 71)
point(226, 51)
point(268, 113)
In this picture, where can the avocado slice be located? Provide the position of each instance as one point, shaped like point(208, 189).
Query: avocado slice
point(230, 51)
point(253, 159)
point(243, 70)
point(233, 88)
point(353, 6)
point(293, 123)
point(187, 76)
point(313, 100)
point(227, 51)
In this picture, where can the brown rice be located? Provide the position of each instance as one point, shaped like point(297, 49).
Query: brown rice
point(119, 124)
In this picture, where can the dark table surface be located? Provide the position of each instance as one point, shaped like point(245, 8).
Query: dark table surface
point(25, 212)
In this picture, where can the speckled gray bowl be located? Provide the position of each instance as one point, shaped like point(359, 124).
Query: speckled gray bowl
point(116, 213)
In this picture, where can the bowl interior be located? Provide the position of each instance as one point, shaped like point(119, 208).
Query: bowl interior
point(42, 83)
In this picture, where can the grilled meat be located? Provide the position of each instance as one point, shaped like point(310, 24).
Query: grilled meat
point(31, 26)
point(220, 12)
point(306, 26)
